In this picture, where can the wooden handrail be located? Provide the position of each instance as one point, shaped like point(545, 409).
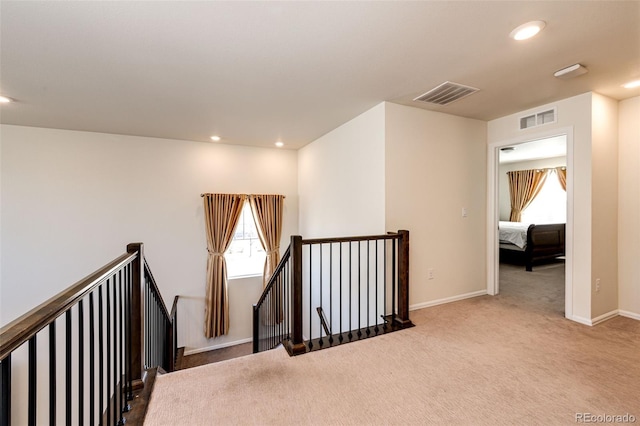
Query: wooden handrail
point(274, 276)
point(174, 307)
point(154, 286)
point(388, 236)
point(26, 326)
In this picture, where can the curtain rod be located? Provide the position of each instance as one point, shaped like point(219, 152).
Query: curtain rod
point(542, 169)
point(284, 196)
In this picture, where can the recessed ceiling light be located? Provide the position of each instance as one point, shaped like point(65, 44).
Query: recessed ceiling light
point(632, 84)
point(5, 100)
point(215, 138)
point(528, 30)
point(279, 144)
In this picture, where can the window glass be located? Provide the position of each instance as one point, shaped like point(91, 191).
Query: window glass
point(245, 255)
point(550, 206)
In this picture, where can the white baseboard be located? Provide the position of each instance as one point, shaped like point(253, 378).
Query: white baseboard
point(629, 314)
point(447, 300)
point(604, 317)
point(214, 347)
point(581, 320)
point(598, 319)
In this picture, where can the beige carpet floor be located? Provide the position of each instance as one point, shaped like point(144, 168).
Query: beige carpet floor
point(500, 360)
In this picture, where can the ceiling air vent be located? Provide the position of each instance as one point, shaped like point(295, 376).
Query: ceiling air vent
point(446, 93)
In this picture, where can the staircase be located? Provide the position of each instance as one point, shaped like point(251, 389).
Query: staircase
point(109, 334)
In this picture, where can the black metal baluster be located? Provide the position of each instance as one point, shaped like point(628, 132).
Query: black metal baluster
point(80, 362)
point(129, 314)
point(121, 351)
point(359, 289)
point(340, 338)
point(92, 363)
point(376, 281)
point(108, 324)
point(147, 317)
point(67, 372)
point(310, 295)
point(393, 280)
point(321, 267)
point(154, 329)
point(278, 298)
point(368, 295)
point(33, 381)
point(278, 305)
point(115, 398)
point(52, 373)
point(285, 301)
point(350, 291)
point(331, 291)
point(5, 391)
point(100, 357)
point(384, 297)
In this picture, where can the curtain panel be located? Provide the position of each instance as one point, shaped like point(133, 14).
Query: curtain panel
point(562, 176)
point(524, 186)
point(221, 214)
point(267, 212)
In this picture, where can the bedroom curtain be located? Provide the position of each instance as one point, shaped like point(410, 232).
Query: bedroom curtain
point(562, 176)
point(221, 215)
point(267, 212)
point(524, 186)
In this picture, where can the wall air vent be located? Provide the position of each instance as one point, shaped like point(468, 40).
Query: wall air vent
point(538, 119)
point(446, 93)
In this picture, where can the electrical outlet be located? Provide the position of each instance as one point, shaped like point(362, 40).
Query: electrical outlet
point(597, 285)
point(430, 274)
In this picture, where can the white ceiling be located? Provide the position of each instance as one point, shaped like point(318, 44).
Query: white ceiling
point(256, 72)
point(535, 150)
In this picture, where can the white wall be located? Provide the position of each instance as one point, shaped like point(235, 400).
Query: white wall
point(573, 113)
point(435, 166)
point(341, 179)
point(629, 207)
point(71, 201)
point(604, 207)
point(503, 180)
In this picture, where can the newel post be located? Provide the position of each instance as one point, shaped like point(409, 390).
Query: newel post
point(136, 361)
point(295, 346)
point(403, 279)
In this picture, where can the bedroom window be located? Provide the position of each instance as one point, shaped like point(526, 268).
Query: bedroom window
point(245, 256)
point(550, 206)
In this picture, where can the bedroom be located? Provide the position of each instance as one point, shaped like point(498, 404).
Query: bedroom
point(532, 246)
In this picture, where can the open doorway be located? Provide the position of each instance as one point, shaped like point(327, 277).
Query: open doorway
point(532, 202)
point(549, 283)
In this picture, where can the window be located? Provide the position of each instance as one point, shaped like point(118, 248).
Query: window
point(245, 255)
point(550, 206)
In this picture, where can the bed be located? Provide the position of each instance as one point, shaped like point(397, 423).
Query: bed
point(531, 243)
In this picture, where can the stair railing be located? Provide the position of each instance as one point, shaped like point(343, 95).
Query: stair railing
point(272, 314)
point(332, 291)
point(97, 332)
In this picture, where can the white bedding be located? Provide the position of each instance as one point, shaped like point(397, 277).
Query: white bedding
point(513, 232)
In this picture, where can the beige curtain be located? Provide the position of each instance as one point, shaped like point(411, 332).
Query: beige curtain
point(562, 176)
point(524, 186)
point(221, 214)
point(267, 212)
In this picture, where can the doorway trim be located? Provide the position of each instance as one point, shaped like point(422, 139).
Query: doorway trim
point(493, 210)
